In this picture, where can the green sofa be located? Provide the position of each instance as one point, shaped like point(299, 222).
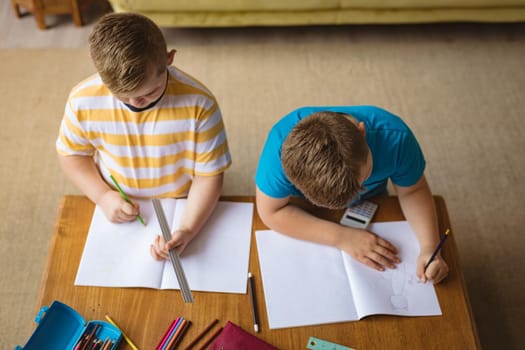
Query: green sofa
point(233, 13)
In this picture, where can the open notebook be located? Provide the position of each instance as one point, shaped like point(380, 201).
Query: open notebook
point(306, 283)
point(118, 255)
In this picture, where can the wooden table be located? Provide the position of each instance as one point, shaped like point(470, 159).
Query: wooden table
point(144, 314)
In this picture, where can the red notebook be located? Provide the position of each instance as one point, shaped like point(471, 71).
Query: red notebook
point(233, 337)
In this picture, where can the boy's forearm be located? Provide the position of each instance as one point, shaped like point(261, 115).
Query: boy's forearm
point(297, 223)
point(283, 217)
point(83, 173)
point(202, 198)
point(419, 209)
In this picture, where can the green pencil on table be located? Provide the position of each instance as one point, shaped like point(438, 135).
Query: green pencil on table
point(126, 198)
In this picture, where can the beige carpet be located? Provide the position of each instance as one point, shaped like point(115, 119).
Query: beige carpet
point(459, 87)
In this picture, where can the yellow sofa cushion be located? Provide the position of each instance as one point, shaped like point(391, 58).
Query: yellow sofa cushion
point(302, 5)
point(228, 5)
point(424, 4)
point(232, 13)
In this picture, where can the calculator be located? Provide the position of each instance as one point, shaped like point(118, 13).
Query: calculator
point(360, 215)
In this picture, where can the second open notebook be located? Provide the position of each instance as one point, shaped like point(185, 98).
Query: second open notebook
point(306, 283)
point(118, 255)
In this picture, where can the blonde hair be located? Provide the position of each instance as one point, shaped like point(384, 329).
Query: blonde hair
point(126, 48)
point(323, 156)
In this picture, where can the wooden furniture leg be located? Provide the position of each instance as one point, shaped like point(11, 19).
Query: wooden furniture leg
point(41, 8)
point(36, 7)
point(77, 16)
point(16, 8)
point(39, 13)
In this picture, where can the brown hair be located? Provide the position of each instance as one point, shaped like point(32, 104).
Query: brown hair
point(323, 155)
point(125, 49)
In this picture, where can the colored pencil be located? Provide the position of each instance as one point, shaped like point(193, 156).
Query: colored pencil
point(210, 339)
point(166, 334)
point(172, 333)
point(201, 334)
point(126, 198)
point(126, 338)
point(181, 335)
point(176, 334)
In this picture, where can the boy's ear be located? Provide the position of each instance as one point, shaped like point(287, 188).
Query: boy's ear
point(361, 127)
point(171, 55)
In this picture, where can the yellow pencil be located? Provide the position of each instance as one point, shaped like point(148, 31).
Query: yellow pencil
point(126, 338)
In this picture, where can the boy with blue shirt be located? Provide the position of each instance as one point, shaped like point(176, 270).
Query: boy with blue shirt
point(334, 156)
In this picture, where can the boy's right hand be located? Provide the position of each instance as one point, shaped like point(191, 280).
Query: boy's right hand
point(369, 249)
point(116, 209)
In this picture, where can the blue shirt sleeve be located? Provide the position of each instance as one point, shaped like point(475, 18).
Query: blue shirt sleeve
point(270, 177)
point(410, 161)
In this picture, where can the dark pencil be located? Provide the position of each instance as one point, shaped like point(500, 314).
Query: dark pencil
point(210, 339)
point(254, 303)
point(437, 248)
point(90, 337)
point(181, 334)
point(201, 334)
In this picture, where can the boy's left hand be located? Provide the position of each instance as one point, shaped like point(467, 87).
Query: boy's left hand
point(179, 240)
point(435, 272)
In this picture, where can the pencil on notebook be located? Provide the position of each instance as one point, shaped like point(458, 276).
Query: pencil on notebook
point(437, 248)
point(126, 198)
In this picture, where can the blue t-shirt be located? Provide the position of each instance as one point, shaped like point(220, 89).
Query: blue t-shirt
point(395, 151)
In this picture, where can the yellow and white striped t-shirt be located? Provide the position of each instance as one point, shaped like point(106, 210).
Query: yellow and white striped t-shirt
point(152, 153)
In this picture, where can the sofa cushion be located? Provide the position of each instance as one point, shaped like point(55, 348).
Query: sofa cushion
point(422, 4)
point(302, 5)
point(237, 13)
point(228, 5)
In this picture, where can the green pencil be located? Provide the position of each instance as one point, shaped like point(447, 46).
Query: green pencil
point(126, 198)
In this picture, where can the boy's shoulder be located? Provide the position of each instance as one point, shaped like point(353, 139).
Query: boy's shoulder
point(181, 78)
point(377, 120)
point(92, 85)
point(374, 117)
point(361, 110)
point(284, 125)
point(372, 114)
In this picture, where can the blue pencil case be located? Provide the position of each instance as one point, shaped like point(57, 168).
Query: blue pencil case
point(62, 328)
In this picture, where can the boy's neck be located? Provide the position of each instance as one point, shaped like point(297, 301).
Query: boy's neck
point(135, 109)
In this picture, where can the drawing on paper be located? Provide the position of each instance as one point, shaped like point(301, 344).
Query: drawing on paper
point(400, 279)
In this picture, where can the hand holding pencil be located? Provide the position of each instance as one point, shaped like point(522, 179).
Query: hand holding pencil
point(115, 209)
point(431, 266)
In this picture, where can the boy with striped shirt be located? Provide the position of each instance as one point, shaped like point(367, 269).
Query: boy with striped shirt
point(154, 128)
